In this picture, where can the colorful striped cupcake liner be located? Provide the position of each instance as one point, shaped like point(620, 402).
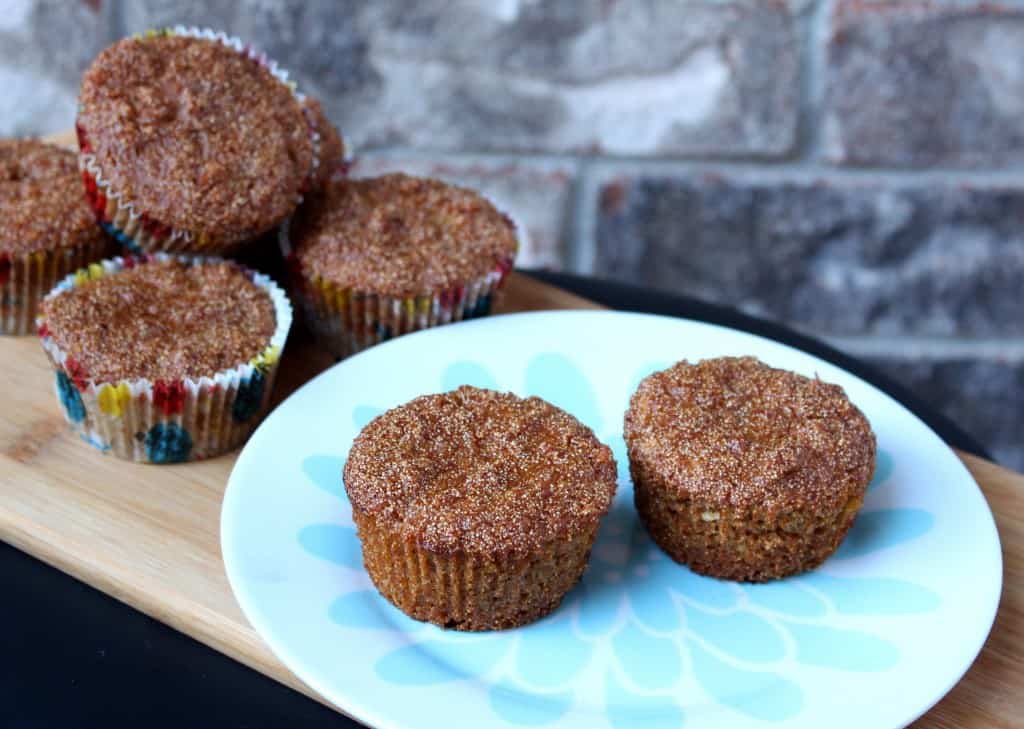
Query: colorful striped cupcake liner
point(135, 229)
point(346, 321)
point(25, 278)
point(167, 421)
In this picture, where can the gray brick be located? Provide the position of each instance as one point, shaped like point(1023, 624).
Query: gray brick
point(641, 78)
point(46, 46)
point(984, 397)
point(141, 15)
point(536, 195)
point(840, 258)
point(924, 83)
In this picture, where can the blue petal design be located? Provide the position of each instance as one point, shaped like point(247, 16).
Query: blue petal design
point(760, 694)
point(873, 595)
point(325, 472)
point(707, 591)
point(785, 597)
point(556, 379)
point(651, 662)
point(249, 397)
point(550, 653)
point(467, 373)
point(528, 709)
point(359, 609)
point(437, 661)
point(884, 465)
point(876, 530)
point(652, 605)
point(741, 635)
point(363, 414)
point(332, 542)
point(846, 650)
point(598, 604)
point(629, 710)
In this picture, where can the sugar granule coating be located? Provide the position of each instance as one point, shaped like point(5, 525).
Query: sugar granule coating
point(481, 472)
point(41, 202)
point(162, 320)
point(745, 471)
point(196, 135)
point(400, 236)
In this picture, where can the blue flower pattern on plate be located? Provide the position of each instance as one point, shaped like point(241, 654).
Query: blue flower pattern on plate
point(657, 621)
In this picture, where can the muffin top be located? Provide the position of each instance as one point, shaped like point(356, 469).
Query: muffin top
point(42, 206)
point(736, 432)
point(481, 472)
point(196, 135)
point(332, 146)
point(400, 236)
point(162, 320)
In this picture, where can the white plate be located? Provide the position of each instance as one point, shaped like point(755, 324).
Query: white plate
point(873, 638)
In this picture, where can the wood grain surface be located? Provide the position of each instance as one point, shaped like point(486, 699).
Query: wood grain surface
point(149, 535)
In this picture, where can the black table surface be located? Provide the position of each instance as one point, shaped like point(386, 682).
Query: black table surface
point(74, 657)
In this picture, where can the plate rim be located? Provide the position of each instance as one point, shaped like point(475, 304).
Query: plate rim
point(359, 710)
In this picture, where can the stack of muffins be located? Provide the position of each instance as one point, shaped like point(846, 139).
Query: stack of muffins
point(194, 146)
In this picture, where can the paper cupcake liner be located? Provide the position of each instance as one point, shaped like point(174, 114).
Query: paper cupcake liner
point(468, 592)
point(134, 228)
point(168, 421)
point(346, 321)
point(26, 278)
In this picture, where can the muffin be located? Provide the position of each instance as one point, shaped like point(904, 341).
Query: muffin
point(332, 146)
point(165, 359)
point(46, 228)
point(746, 472)
point(477, 510)
point(192, 142)
point(379, 257)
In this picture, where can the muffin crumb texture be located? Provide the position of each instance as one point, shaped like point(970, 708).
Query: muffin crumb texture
point(746, 472)
point(162, 320)
point(476, 509)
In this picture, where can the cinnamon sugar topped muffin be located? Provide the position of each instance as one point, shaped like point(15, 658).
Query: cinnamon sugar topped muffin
point(166, 320)
point(744, 471)
point(41, 205)
point(497, 496)
point(194, 135)
point(46, 227)
point(332, 145)
point(378, 257)
point(400, 236)
point(164, 359)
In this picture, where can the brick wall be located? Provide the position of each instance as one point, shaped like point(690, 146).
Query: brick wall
point(852, 167)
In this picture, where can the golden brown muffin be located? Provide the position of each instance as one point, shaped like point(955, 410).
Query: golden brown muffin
point(164, 360)
point(191, 144)
point(332, 146)
point(46, 228)
point(477, 509)
point(743, 471)
point(379, 257)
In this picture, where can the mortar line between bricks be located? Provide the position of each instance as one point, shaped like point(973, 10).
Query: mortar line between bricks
point(922, 346)
point(757, 171)
point(813, 32)
point(582, 254)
